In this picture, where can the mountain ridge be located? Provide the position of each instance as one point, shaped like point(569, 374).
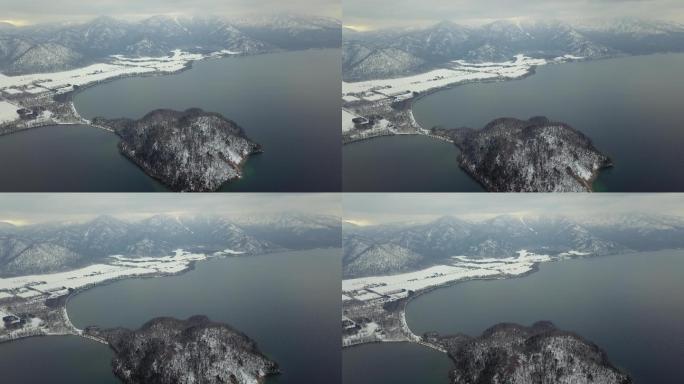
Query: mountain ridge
point(411, 51)
point(61, 46)
point(395, 248)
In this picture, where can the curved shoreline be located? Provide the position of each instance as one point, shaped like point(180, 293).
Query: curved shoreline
point(412, 337)
point(422, 131)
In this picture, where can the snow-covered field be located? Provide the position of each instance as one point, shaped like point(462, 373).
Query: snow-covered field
point(118, 267)
point(347, 123)
point(118, 66)
point(8, 112)
point(459, 71)
point(396, 286)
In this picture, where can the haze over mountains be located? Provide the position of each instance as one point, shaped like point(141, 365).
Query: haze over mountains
point(388, 249)
point(395, 52)
point(53, 47)
point(52, 247)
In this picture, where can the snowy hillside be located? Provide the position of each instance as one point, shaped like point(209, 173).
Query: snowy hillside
point(53, 247)
point(396, 52)
point(56, 47)
point(392, 249)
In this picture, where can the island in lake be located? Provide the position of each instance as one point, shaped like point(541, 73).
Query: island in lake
point(386, 266)
point(511, 155)
point(43, 66)
point(42, 266)
point(385, 71)
point(166, 350)
point(188, 151)
point(541, 353)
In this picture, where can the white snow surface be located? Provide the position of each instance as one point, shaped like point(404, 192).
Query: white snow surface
point(8, 112)
point(118, 267)
point(347, 123)
point(395, 286)
point(459, 71)
point(118, 66)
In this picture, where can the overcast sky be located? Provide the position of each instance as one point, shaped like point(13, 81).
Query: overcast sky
point(383, 13)
point(33, 208)
point(33, 11)
point(402, 207)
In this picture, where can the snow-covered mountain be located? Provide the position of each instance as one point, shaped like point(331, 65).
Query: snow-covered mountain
point(395, 52)
point(641, 231)
point(392, 249)
point(291, 31)
point(51, 47)
point(54, 247)
point(291, 228)
point(633, 36)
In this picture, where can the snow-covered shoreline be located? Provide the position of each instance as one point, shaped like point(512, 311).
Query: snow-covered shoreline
point(395, 287)
point(46, 296)
point(456, 72)
point(50, 94)
point(370, 298)
point(376, 97)
point(117, 66)
point(118, 267)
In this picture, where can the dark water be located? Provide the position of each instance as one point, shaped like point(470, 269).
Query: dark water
point(629, 305)
point(630, 107)
point(405, 164)
point(287, 302)
point(68, 159)
point(288, 102)
point(396, 363)
point(55, 359)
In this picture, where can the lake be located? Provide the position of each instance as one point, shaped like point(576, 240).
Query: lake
point(67, 158)
point(629, 305)
point(395, 363)
point(404, 164)
point(288, 102)
point(630, 107)
point(287, 302)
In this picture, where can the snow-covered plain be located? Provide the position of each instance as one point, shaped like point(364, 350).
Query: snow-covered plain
point(396, 286)
point(117, 267)
point(347, 123)
point(8, 112)
point(118, 66)
point(458, 71)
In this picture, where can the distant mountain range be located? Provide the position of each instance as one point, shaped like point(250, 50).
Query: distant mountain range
point(52, 247)
point(395, 52)
point(388, 249)
point(52, 47)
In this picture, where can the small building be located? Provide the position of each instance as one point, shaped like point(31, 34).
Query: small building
point(11, 320)
point(360, 121)
point(26, 113)
point(348, 324)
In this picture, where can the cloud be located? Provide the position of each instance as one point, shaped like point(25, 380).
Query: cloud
point(383, 13)
point(384, 208)
point(35, 11)
point(33, 208)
